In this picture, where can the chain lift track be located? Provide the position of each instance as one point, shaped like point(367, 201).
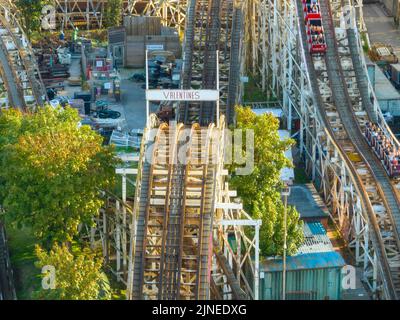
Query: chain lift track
point(211, 25)
point(173, 235)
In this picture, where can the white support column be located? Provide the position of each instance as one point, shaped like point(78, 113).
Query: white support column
point(118, 239)
point(375, 274)
point(257, 263)
point(124, 223)
point(147, 88)
point(218, 87)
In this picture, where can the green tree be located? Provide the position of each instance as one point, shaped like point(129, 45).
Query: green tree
point(271, 211)
point(113, 13)
point(52, 171)
point(77, 277)
point(31, 12)
point(260, 190)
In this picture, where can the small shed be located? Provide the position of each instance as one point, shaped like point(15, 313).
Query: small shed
point(314, 273)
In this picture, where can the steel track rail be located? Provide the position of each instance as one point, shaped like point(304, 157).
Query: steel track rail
point(202, 209)
point(184, 272)
point(174, 237)
point(208, 109)
point(210, 26)
point(172, 157)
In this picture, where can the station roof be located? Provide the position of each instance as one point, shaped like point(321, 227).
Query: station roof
point(316, 252)
point(305, 261)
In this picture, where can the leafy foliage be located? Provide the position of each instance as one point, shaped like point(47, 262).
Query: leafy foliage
point(52, 171)
point(270, 210)
point(113, 13)
point(77, 277)
point(31, 11)
point(260, 190)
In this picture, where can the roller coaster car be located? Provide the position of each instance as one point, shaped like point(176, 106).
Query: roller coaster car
point(317, 48)
point(166, 113)
point(311, 9)
point(316, 37)
point(313, 22)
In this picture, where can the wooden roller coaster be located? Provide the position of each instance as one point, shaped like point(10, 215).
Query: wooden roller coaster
point(178, 250)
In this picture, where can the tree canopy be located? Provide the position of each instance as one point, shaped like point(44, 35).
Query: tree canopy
point(260, 190)
point(52, 171)
point(77, 276)
point(113, 13)
point(31, 11)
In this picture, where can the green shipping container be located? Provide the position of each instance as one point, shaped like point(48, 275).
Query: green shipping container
point(311, 276)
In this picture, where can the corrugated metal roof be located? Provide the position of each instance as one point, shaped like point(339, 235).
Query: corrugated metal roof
point(305, 261)
point(315, 239)
point(316, 242)
point(316, 228)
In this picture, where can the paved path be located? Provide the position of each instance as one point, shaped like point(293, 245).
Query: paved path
point(380, 27)
point(133, 100)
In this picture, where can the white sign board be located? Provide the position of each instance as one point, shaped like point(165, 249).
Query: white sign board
point(182, 95)
point(155, 47)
